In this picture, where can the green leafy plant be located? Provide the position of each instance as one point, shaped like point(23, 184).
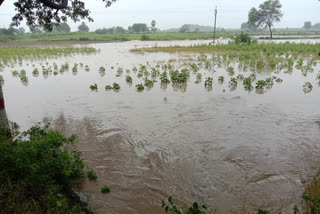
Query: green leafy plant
point(116, 86)
point(208, 82)
point(140, 87)
point(243, 38)
point(247, 83)
point(92, 175)
point(221, 79)
point(105, 190)
point(307, 87)
point(94, 87)
point(129, 79)
point(40, 168)
point(108, 87)
point(164, 78)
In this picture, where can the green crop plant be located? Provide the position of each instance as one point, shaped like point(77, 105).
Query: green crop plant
point(247, 83)
point(120, 70)
point(35, 72)
point(116, 86)
point(94, 87)
point(75, 68)
point(164, 78)
point(279, 80)
point(233, 83)
point(253, 76)
point(269, 82)
point(128, 71)
point(129, 79)
point(15, 73)
point(108, 87)
point(260, 84)
point(102, 69)
point(194, 67)
point(179, 77)
point(199, 76)
point(55, 66)
point(240, 77)
point(134, 69)
point(140, 75)
point(148, 83)
point(140, 87)
point(86, 68)
point(307, 87)
point(221, 79)
point(230, 70)
point(55, 73)
point(208, 82)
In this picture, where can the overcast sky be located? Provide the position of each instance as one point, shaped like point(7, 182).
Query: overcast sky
point(174, 13)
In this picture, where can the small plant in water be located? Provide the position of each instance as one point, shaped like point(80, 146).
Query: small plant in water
point(240, 77)
point(148, 83)
point(92, 175)
point(307, 87)
point(102, 69)
point(230, 70)
point(94, 87)
point(116, 86)
point(247, 83)
point(208, 82)
point(164, 78)
point(221, 79)
point(260, 84)
point(140, 87)
point(108, 87)
point(129, 79)
point(105, 190)
point(233, 83)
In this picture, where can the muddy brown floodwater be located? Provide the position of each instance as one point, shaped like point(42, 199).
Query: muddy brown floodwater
point(230, 150)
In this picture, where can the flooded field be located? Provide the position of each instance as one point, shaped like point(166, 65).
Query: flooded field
point(221, 145)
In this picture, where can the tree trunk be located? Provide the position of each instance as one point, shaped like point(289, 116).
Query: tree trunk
point(1, 1)
point(270, 31)
point(4, 123)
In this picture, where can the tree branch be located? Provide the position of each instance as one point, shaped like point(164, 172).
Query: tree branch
point(1, 1)
point(54, 5)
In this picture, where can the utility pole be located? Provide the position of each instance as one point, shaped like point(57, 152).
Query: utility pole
point(215, 25)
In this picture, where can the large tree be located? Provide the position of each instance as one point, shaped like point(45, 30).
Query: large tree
point(268, 13)
point(45, 13)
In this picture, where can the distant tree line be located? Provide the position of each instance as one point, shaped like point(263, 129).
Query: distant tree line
point(308, 25)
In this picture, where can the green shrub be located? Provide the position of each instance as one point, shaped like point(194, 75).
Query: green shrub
point(145, 37)
point(39, 170)
point(243, 38)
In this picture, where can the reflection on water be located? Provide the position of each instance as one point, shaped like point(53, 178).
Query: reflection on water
point(225, 148)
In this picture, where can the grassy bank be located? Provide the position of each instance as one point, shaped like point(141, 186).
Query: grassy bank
point(232, 49)
point(79, 36)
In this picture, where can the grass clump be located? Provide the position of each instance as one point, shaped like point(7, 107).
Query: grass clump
point(39, 170)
